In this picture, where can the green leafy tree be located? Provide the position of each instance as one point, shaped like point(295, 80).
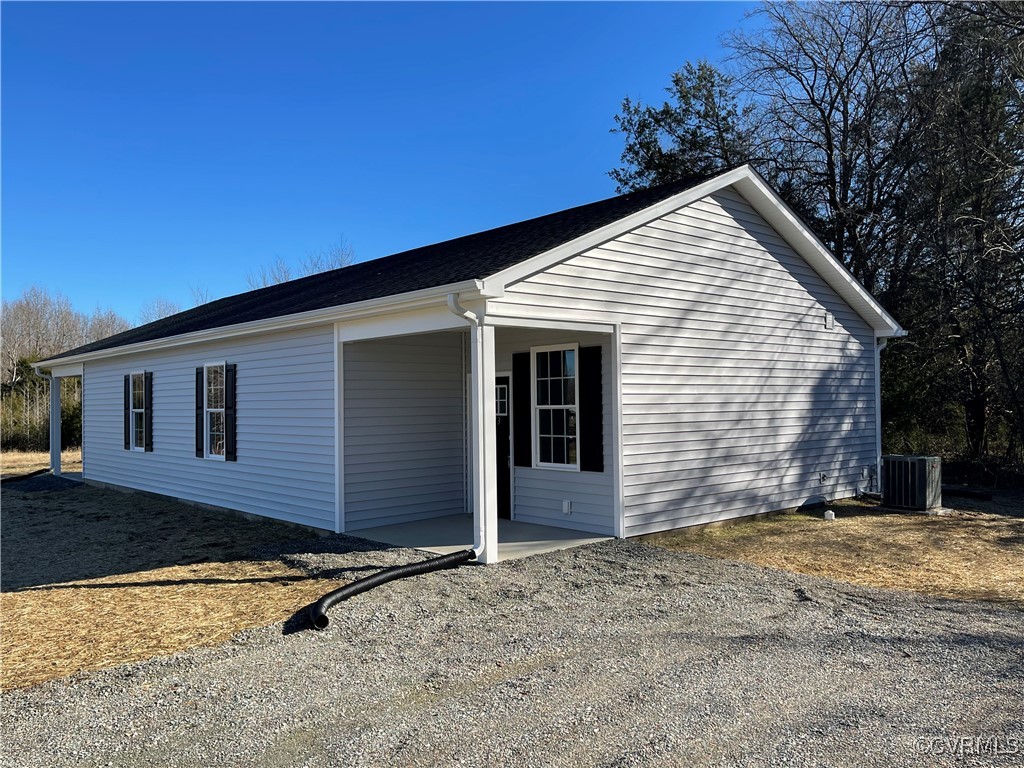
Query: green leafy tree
point(700, 130)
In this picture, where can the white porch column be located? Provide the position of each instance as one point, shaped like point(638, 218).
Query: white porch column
point(485, 490)
point(55, 424)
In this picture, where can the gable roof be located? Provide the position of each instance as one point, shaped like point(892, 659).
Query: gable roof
point(472, 257)
point(503, 254)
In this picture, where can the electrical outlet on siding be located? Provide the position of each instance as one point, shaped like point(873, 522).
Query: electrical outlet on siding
point(823, 477)
point(566, 507)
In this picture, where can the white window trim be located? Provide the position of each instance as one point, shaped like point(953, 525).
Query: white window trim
point(133, 410)
point(534, 435)
point(206, 410)
point(499, 400)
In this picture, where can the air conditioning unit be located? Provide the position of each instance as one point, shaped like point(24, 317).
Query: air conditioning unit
point(912, 482)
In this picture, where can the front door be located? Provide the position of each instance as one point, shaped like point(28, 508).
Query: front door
point(503, 449)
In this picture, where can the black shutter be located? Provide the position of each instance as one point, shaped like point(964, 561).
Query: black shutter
point(127, 413)
point(200, 405)
point(230, 450)
point(149, 411)
point(590, 416)
point(522, 432)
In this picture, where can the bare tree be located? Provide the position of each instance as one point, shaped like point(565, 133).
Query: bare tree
point(103, 323)
point(831, 80)
point(334, 256)
point(37, 324)
point(34, 326)
point(200, 294)
point(157, 309)
point(895, 128)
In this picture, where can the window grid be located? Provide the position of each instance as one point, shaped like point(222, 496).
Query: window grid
point(555, 397)
point(501, 400)
point(215, 420)
point(138, 409)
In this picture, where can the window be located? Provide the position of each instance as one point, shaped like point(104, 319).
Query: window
point(216, 415)
point(555, 397)
point(138, 411)
point(501, 400)
point(215, 418)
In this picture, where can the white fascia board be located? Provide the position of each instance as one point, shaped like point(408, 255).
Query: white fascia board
point(436, 317)
point(402, 302)
point(60, 371)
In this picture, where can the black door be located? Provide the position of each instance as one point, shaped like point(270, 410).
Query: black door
point(503, 448)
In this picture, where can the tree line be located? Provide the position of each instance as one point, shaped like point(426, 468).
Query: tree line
point(896, 130)
point(40, 324)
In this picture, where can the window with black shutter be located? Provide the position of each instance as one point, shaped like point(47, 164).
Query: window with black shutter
point(216, 412)
point(557, 417)
point(138, 411)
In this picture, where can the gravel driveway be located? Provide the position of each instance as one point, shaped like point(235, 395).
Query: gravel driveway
point(615, 654)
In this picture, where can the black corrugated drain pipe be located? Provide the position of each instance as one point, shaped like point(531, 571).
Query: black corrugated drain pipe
point(318, 611)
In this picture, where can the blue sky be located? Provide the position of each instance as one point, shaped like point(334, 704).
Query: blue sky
point(148, 147)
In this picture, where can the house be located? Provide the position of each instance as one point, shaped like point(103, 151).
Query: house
point(669, 357)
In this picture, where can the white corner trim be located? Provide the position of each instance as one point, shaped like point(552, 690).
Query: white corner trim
point(618, 466)
point(339, 432)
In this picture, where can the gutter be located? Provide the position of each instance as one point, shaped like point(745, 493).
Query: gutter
point(356, 310)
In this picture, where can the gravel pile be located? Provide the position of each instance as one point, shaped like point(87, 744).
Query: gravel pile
point(615, 654)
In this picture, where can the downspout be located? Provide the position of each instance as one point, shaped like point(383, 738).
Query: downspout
point(471, 317)
point(318, 610)
point(881, 342)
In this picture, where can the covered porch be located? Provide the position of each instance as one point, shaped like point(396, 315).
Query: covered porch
point(453, 533)
point(56, 376)
point(441, 442)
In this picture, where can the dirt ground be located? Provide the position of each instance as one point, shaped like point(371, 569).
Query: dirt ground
point(92, 578)
point(973, 550)
point(127, 577)
point(23, 462)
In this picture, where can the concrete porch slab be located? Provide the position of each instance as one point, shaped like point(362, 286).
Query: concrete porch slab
point(443, 535)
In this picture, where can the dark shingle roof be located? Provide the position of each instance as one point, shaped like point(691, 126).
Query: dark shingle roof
point(453, 261)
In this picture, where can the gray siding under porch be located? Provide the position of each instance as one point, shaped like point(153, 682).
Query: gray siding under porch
point(538, 493)
point(736, 397)
point(404, 429)
point(286, 461)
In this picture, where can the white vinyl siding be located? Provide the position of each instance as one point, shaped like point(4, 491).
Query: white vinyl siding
point(538, 493)
point(736, 398)
point(285, 424)
point(404, 429)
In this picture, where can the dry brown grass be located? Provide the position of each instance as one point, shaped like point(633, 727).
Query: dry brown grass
point(22, 462)
point(93, 578)
point(57, 630)
point(963, 554)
